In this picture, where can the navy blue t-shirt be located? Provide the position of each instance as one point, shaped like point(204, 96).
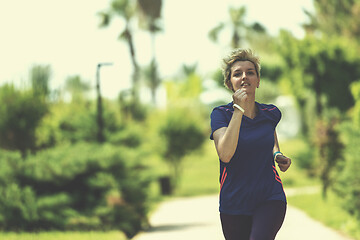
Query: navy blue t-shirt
point(250, 178)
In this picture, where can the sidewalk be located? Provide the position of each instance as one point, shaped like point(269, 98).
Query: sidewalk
point(185, 219)
point(198, 218)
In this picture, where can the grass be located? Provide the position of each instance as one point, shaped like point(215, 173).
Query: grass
point(328, 211)
point(113, 235)
point(295, 176)
point(200, 173)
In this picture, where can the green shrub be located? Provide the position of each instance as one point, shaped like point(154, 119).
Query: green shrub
point(21, 112)
point(18, 210)
point(182, 132)
point(77, 187)
point(74, 122)
point(10, 163)
point(131, 136)
point(347, 184)
point(67, 122)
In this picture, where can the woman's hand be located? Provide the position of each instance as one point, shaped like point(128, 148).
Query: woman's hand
point(283, 162)
point(240, 97)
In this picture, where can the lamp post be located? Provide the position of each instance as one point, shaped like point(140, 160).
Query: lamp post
point(99, 114)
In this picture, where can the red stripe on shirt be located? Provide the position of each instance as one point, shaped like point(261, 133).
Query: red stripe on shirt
point(267, 109)
point(223, 177)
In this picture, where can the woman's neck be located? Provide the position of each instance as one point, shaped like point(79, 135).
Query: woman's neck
point(250, 108)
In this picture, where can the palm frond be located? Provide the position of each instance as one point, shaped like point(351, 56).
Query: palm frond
point(257, 27)
point(105, 19)
point(150, 8)
point(237, 15)
point(125, 35)
point(214, 33)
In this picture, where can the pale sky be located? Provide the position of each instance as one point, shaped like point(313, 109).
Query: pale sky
point(65, 35)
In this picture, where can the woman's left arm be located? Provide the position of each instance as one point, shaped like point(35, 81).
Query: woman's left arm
point(282, 161)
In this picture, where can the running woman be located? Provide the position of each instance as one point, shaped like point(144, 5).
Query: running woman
point(252, 201)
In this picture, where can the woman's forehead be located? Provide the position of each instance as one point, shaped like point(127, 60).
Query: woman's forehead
point(242, 65)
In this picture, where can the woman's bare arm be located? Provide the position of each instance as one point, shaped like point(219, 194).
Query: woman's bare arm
point(282, 161)
point(226, 138)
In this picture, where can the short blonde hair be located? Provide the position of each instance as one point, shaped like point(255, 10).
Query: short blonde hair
point(238, 55)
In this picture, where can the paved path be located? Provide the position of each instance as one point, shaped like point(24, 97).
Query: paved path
point(198, 218)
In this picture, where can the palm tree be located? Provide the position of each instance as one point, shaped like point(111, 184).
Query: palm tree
point(126, 10)
point(150, 14)
point(151, 76)
point(240, 30)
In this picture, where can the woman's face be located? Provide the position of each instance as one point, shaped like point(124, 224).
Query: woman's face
point(243, 76)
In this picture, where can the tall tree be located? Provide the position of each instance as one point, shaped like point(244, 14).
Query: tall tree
point(152, 79)
point(125, 9)
point(150, 15)
point(239, 29)
point(335, 18)
point(321, 66)
point(321, 70)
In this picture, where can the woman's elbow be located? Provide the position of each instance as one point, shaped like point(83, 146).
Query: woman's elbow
point(225, 152)
point(225, 157)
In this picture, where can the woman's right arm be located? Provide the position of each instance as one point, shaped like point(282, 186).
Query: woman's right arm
point(226, 138)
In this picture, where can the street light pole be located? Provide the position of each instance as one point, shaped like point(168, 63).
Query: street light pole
point(99, 113)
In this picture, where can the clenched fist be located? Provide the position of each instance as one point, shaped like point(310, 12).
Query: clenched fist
point(240, 97)
point(283, 162)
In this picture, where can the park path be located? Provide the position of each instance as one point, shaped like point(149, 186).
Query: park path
point(197, 218)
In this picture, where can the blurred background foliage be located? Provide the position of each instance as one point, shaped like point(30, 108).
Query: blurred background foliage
point(56, 175)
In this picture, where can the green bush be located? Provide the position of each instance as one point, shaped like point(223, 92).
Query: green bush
point(21, 112)
point(18, 208)
point(67, 122)
point(131, 136)
point(11, 163)
point(77, 187)
point(347, 184)
point(183, 133)
point(74, 122)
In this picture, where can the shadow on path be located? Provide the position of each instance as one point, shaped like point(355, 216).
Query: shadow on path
point(173, 227)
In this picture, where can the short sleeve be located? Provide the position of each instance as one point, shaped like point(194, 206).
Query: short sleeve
point(271, 112)
point(277, 113)
point(218, 120)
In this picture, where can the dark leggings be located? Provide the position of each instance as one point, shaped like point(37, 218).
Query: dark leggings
point(262, 225)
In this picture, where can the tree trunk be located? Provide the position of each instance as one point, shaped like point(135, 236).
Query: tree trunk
point(154, 75)
point(136, 73)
